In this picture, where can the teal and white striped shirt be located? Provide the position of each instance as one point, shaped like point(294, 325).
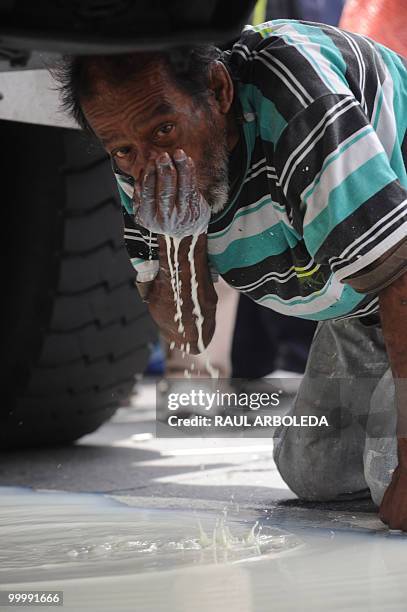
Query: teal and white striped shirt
point(320, 193)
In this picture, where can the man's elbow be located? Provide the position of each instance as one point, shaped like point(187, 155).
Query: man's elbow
point(394, 294)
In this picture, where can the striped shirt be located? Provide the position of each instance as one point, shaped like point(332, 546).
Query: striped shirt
point(321, 194)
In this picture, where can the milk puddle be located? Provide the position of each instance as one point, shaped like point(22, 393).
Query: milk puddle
point(104, 555)
point(71, 535)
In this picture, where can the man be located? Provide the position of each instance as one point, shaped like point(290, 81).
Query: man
point(284, 159)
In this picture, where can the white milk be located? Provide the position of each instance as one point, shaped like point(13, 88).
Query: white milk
point(175, 282)
point(176, 285)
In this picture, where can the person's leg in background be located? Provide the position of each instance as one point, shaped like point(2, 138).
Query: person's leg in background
point(254, 352)
point(294, 337)
point(264, 341)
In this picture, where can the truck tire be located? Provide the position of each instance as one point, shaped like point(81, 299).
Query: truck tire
point(75, 331)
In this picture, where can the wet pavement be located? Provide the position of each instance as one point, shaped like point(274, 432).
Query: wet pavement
point(123, 457)
point(127, 534)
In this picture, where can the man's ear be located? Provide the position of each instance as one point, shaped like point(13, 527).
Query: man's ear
point(221, 85)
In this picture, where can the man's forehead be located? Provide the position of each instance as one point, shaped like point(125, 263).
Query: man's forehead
point(150, 93)
point(137, 100)
point(154, 78)
point(108, 125)
point(162, 108)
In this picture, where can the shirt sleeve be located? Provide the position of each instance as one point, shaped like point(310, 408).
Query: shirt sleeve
point(141, 244)
point(343, 194)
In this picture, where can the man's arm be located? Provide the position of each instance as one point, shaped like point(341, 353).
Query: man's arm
point(161, 296)
point(393, 312)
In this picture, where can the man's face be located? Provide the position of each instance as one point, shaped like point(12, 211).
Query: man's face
point(140, 120)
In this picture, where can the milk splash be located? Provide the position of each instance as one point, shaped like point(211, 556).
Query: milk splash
point(219, 545)
point(223, 539)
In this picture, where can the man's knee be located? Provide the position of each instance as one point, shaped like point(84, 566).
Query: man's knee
point(311, 469)
point(295, 467)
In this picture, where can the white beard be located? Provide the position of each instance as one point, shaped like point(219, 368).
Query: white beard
point(219, 198)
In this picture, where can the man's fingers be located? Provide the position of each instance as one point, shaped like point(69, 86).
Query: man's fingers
point(147, 210)
point(136, 199)
point(148, 184)
point(184, 179)
point(393, 509)
point(192, 172)
point(166, 186)
point(194, 195)
point(168, 200)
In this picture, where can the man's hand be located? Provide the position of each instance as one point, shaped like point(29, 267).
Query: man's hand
point(393, 312)
point(168, 201)
point(393, 509)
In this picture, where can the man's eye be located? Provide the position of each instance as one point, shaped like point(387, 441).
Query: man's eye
point(121, 153)
point(164, 130)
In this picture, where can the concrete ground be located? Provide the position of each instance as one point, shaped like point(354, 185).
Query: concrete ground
point(124, 458)
point(344, 558)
